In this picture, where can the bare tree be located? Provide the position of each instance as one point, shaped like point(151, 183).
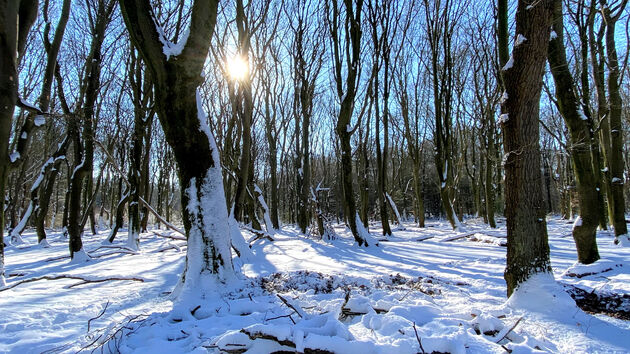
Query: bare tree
point(346, 55)
point(585, 169)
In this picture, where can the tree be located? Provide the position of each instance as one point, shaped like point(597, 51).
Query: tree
point(527, 248)
point(440, 21)
point(15, 23)
point(584, 168)
point(82, 126)
point(176, 75)
point(611, 14)
point(307, 63)
point(346, 55)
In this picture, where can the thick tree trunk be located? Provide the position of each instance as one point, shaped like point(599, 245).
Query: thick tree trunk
point(528, 248)
point(179, 108)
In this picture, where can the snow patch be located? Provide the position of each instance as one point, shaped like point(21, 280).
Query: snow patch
point(14, 156)
point(39, 121)
point(80, 257)
point(542, 294)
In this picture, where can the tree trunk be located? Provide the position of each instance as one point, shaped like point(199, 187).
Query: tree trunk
point(584, 230)
point(15, 22)
point(179, 108)
point(616, 129)
point(528, 248)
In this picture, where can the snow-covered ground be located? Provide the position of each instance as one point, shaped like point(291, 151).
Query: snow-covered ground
point(421, 290)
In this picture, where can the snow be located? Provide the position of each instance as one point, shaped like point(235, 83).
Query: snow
point(28, 105)
point(617, 180)
point(577, 223)
point(39, 121)
point(581, 114)
point(509, 64)
point(14, 156)
point(451, 293)
point(169, 48)
point(364, 233)
point(623, 240)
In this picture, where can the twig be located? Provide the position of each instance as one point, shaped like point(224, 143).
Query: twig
point(298, 311)
point(418, 338)
point(283, 316)
point(510, 330)
point(98, 316)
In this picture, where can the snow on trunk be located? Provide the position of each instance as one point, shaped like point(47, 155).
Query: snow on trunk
point(208, 257)
point(363, 233)
point(133, 239)
point(458, 223)
point(3, 283)
point(395, 209)
point(238, 241)
point(209, 265)
point(44, 244)
point(80, 257)
point(16, 238)
point(268, 224)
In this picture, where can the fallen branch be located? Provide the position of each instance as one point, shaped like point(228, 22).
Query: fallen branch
point(254, 335)
point(259, 234)
point(510, 330)
point(84, 280)
point(180, 238)
point(457, 237)
point(282, 316)
point(97, 316)
point(109, 253)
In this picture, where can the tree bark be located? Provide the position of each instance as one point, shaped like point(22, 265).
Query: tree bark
point(528, 248)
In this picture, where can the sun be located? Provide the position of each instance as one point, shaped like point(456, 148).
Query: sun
point(237, 68)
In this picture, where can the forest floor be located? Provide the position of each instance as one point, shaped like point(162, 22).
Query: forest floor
point(421, 290)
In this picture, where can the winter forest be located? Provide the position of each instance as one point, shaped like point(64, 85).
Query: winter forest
point(305, 176)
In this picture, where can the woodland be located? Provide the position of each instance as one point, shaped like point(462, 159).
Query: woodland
point(387, 176)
